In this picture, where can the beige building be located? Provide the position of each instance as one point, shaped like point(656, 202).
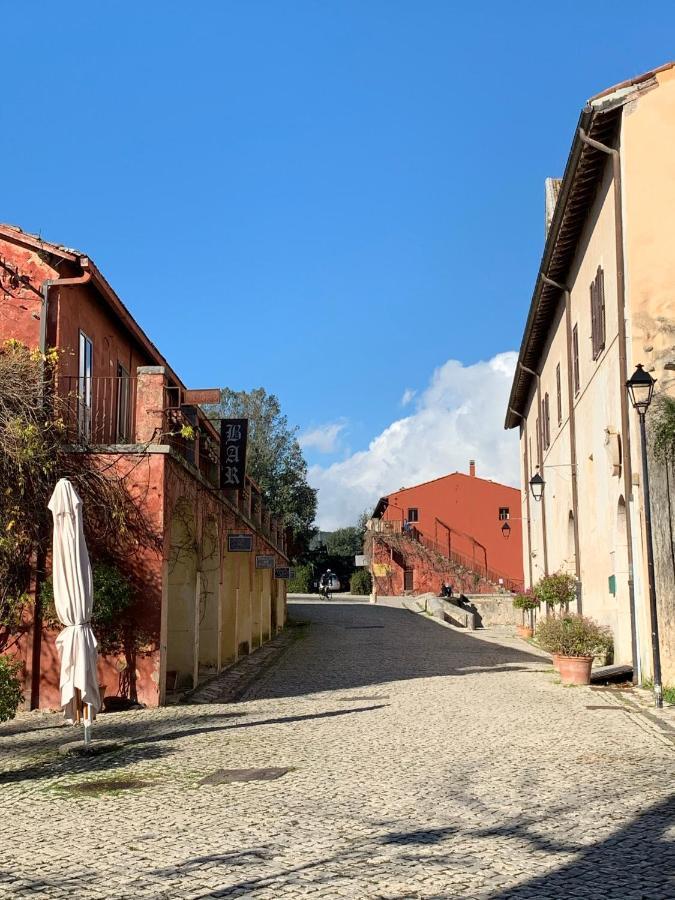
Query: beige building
point(604, 301)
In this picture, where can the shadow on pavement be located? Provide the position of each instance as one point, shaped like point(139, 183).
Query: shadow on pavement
point(637, 861)
point(353, 645)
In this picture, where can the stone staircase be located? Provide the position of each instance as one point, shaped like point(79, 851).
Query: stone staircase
point(433, 566)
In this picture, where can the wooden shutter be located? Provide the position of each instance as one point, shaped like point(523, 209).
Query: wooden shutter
point(600, 295)
point(558, 393)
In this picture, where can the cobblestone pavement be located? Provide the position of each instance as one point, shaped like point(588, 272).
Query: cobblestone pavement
point(426, 763)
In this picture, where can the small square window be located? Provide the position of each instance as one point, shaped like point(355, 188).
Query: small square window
point(413, 515)
point(504, 513)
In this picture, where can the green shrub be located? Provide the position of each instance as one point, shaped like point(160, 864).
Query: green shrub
point(301, 582)
point(110, 618)
point(10, 688)
point(663, 426)
point(573, 635)
point(558, 589)
point(361, 583)
point(526, 602)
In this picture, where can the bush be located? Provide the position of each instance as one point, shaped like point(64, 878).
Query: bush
point(110, 620)
point(572, 635)
point(559, 589)
point(10, 688)
point(301, 582)
point(361, 583)
point(526, 603)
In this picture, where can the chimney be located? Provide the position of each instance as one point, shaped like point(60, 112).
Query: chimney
point(472, 468)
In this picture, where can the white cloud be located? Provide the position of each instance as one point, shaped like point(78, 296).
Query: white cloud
point(459, 416)
point(324, 438)
point(407, 397)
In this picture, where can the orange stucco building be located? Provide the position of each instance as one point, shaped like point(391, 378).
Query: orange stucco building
point(203, 603)
point(460, 527)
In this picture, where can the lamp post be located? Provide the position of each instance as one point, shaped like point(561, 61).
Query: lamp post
point(640, 388)
point(506, 530)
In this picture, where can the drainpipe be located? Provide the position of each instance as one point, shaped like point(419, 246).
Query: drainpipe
point(573, 431)
point(540, 461)
point(623, 375)
point(58, 282)
point(41, 556)
point(527, 502)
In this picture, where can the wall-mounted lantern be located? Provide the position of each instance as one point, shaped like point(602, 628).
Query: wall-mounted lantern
point(537, 485)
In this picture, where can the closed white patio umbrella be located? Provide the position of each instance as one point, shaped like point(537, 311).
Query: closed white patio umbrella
point(73, 598)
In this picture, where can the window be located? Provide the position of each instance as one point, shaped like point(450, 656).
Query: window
point(413, 515)
point(545, 423)
point(537, 431)
point(558, 388)
point(123, 406)
point(85, 371)
point(504, 513)
point(598, 313)
point(575, 359)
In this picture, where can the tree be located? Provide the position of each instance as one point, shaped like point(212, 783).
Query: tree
point(274, 457)
point(345, 542)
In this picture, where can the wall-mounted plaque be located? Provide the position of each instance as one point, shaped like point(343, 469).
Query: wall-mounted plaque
point(264, 562)
point(283, 572)
point(240, 543)
point(233, 437)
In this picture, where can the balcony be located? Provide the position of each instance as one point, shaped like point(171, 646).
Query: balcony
point(99, 410)
point(104, 412)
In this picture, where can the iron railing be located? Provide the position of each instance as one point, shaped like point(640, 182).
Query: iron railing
point(97, 409)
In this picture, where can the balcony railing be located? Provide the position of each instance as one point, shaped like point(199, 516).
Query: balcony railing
point(97, 410)
point(102, 411)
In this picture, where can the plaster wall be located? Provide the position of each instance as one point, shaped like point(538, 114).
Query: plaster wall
point(182, 597)
point(598, 419)
point(210, 599)
point(648, 136)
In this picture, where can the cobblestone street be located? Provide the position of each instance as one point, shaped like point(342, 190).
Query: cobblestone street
point(424, 762)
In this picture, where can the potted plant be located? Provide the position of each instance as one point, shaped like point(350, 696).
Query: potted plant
point(557, 590)
point(576, 640)
point(526, 602)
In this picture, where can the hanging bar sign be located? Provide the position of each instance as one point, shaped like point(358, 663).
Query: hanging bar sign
point(239, 543)
point(264, 562)
point(233, 436)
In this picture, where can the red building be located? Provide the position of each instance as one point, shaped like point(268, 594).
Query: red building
point(458, 527)
point(203, 606)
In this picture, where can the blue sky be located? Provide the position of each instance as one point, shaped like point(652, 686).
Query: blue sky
point(328, 199)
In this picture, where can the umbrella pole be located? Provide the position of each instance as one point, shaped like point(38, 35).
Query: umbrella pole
point(86, 707)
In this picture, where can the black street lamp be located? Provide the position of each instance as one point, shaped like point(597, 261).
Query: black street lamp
point(506, 530)
point(640, 388)
point(537, 485)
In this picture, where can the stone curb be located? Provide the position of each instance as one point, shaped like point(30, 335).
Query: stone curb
point(230, 685)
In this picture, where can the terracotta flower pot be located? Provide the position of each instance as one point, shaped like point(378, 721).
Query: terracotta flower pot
point(555, 658)
point(575, 669)
point(524, 631)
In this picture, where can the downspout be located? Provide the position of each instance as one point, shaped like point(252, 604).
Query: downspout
point(41, 555)
point(573, 432)
point(58, 282)
point(623, 375)
point(540, 461)
point(527, 502)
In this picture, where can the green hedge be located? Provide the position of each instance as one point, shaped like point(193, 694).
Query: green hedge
point(361, 582)
point(10, 688)
point(301, 583)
